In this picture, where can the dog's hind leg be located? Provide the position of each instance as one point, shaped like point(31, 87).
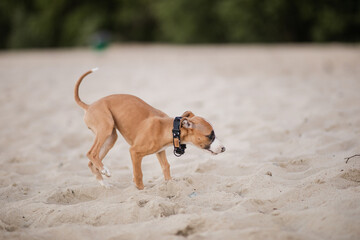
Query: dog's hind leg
point(96, 154)
point(108, 144)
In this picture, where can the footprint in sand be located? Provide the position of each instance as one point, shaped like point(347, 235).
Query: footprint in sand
point(191, 228)
point(351, 175)
point(69, 197)
point(347, 178)
point(296, 165)
point(188, 230)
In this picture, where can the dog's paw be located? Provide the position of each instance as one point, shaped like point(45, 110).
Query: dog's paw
point(106, 172)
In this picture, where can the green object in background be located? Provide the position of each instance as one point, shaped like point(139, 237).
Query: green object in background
point(100, 40)
point(101, 46)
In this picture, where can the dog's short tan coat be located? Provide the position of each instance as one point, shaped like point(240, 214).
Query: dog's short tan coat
point(146, 129)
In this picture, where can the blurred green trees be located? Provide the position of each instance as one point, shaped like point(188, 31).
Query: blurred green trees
point(54, 23)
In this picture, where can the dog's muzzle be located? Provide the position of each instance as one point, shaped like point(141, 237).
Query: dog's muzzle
point(216, 147)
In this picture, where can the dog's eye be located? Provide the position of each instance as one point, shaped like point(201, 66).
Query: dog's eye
point(211, 136)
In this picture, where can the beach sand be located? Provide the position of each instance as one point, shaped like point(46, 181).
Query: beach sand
point(287, 114)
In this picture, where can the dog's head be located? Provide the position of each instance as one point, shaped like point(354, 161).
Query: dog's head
point(198, 131)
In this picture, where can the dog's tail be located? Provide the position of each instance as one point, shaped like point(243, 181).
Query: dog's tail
point(76, 90)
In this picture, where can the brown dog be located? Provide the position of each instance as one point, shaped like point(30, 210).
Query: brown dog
point(146, 129)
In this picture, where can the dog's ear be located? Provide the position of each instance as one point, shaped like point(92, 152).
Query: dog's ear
point(187, 114)
point(186, 123)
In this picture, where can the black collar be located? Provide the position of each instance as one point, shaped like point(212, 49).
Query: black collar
point(179, 149)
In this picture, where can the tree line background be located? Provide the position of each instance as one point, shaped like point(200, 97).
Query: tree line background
point(58, 23)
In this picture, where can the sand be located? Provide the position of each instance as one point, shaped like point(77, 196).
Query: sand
point(288, 116)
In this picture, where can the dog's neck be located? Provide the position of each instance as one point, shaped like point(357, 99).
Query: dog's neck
point(168, 135)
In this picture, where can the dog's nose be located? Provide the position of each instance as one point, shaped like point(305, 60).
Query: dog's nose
point(223, 149)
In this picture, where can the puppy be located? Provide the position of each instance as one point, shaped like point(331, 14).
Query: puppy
point(146, 129)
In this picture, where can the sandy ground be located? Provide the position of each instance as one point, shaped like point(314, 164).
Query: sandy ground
point(288, 116)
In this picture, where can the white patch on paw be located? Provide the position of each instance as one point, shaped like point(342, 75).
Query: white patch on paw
point(106, 172)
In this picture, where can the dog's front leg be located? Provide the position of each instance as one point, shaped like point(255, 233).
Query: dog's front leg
point(165, 166)
point(136, 161)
